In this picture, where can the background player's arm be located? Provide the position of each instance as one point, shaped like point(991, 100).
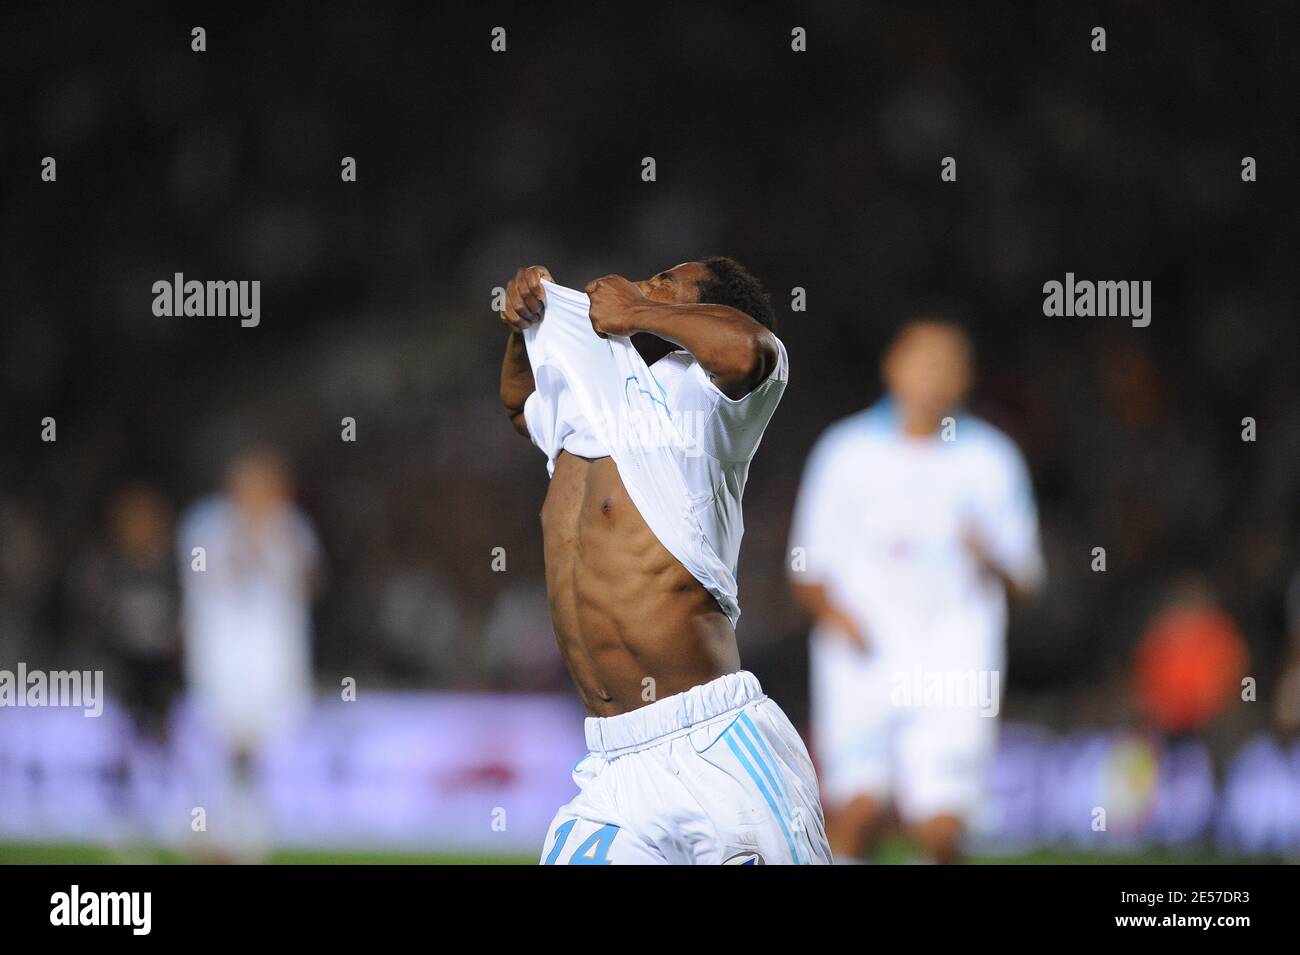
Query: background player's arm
point(1016, 593)
point(525, 305)
point(818, 535)
point(737, 352)
point(816, 601)
point(1002, 534)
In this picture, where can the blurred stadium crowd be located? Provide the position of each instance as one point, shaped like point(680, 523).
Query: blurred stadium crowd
point(818, 171)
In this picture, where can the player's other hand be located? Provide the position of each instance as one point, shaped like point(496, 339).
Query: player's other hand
point(525, 297)
point(973, 541)
point(846, 626)
point(614, 303)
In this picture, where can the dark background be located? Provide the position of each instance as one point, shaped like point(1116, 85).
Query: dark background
point(817, 169)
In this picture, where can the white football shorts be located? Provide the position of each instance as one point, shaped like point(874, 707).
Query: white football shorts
point(927, 761)
point(714, 775)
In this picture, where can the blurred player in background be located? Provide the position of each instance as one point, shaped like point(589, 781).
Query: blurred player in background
point(1189, 663)
point(914, 522)
point(1286, 698)
point(125, 593)
point(247, 629)
point(126, 601)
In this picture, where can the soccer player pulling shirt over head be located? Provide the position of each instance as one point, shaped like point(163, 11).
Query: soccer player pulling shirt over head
point(649, 400)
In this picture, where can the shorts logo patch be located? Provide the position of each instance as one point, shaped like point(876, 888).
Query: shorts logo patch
point(744, 858)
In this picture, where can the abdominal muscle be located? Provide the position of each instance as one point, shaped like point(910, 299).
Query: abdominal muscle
point(633, 624)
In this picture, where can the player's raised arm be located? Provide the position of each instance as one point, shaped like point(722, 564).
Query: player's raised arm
point(525, 305)
point(736, 351)
point(818, 535)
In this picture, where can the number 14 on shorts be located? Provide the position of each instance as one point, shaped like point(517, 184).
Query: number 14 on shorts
point(594, 850)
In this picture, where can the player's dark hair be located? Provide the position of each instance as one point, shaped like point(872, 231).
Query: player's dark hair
point(731, 284)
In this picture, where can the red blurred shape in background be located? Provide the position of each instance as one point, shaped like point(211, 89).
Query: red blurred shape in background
point(1189, 667)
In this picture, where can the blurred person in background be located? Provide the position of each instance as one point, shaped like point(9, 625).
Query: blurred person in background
point(914, 522)
point(127, 599)
point(1286, 703)
point(28, 572)
point(127, 602)
point(1189, 662)
point(247, 629)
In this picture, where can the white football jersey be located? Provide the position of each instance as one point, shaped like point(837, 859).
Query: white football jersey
point(681, 446)
point(880, 522)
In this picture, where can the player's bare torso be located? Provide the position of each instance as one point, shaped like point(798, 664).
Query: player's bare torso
point(623, 608)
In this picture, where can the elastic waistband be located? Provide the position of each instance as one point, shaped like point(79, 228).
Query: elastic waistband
point(615, 735)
